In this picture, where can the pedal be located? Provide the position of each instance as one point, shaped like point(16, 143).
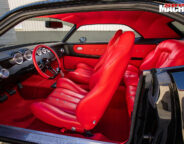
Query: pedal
point(88, 133)
point(11, 91)
point(3, 98)
point(20, 86)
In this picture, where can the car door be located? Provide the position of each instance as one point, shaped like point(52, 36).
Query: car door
point(89, 42)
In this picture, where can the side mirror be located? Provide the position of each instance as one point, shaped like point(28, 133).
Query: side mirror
point(53, 24)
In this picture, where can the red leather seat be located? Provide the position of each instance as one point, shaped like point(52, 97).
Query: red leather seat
point(83, 72)
point(74, 108)
point(167, 54)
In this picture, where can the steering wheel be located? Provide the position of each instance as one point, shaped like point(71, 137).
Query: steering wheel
point(46, 63)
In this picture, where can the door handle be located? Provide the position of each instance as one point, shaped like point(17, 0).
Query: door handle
point(79, 48)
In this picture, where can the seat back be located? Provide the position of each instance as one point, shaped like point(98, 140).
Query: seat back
point(109, 48)
point(167, 54)
point(105, 81)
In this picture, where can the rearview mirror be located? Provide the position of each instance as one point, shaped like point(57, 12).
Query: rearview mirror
point(53, 24)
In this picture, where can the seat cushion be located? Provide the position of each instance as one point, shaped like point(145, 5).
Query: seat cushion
point(59, 109)
point(80, 75)
point(64, 99)
point(131, 76)
point(85, 66)
point(70, 85)
point(130, 97)
point(55, 116)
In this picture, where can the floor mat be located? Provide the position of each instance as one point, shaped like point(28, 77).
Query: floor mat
point(16, 111)
point(115, 122)
point(112, 127)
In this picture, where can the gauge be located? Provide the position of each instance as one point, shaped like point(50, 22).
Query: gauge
point(44, 51)
point(28, 55)
point(4, 73)
point(48, 50)
point(39, 52)
point(17, 58)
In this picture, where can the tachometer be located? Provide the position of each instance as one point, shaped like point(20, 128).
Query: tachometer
point(17, 58)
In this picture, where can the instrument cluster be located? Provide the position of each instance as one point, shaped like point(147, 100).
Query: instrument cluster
point(21, 58)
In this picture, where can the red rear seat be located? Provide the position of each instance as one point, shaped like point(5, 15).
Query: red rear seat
point(167, 54)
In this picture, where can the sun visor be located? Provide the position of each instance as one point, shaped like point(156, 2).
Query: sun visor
point(72, 19)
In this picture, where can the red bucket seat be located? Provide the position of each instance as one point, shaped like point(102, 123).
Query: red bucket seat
point(167, 54)
point(83, 71)
point(81, 110)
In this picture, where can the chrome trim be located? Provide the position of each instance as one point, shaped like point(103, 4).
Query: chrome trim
point(62, 50)
point(79, 48)
point(28, 55)
point(17, 58)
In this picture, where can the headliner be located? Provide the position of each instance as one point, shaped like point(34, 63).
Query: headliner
point(148, 24)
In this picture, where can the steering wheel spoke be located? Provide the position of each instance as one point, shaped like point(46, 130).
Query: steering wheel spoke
point(52, 70)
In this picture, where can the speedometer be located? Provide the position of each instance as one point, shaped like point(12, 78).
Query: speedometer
point(44, 51)
point(28, 55)
point(39, 52)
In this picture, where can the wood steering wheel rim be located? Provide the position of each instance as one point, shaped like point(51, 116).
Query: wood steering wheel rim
point(44, 75)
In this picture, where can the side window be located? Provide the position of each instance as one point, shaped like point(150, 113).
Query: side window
point(97, 33)
point(179, 26)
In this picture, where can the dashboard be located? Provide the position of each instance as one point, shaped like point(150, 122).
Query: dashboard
point(19, 60)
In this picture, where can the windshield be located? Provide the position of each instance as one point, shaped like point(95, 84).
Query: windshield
point(29, 31)
point(35, 31)
point(6, 5)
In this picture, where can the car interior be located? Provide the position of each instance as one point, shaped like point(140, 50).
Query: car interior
point(87, 89)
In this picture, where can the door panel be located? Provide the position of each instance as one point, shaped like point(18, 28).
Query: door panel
point(90, 49)
point(139, 52)
point(90, 53)
point(82, 53)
